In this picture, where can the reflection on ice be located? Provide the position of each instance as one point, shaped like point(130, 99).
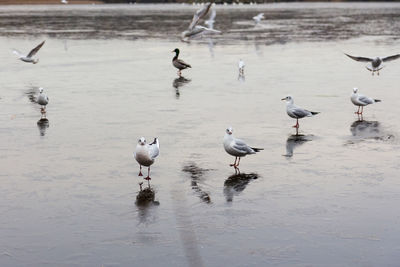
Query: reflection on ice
point(362, 129)
point(236, 183)
point(179, 82)
point(43, 124)
point(196, 175)
point(295, 141)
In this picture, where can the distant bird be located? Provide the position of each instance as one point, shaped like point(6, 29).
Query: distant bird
point(42, 99)
point(195, 30)
point(145, 154)
point(29, 58)
point(178, 63)
point(361, 101)
point(376, 63)
point(258, 18)
point(64, 2)
point(211, 20)
point(296, 112)
point(241, 67)
point(237, 147)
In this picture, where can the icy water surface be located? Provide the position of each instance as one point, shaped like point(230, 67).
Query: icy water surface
point(69, 184)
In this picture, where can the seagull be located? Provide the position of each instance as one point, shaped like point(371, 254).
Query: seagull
point(376, 63)
point(64, 2)
point(361, 101)
point(296, 112)
point(241, 67)
point(42, 100)
point(258, 18)
point(178, 63)
point(29, 58)
point(237, 147)
point(145, 154)
point(195, 30)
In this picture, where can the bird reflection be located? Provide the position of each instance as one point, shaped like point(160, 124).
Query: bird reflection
point(295, 141)
point(236, 183)
point(365, 129)
point(241, 77)
point(179, 82)
point(43, 124)
point(196, 175)
point(146, 196)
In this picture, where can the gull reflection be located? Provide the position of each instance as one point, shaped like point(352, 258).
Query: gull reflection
point(43, 124)
point(196, 175)
point(294, 141)
point(362, 129)
point(179, 82)
point(236, 183)
point(144, 202)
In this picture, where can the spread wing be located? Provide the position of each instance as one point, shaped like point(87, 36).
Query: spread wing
point(199, 14)
point(362, 59)
point(390, 58)
point(35, 50)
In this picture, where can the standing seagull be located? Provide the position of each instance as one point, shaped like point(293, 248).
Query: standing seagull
point(241, 67)
point(376, 63)
point(361, 101)
point(258, 18)
point(29, 58)
point(178, 63)
point(145, 154)
point(296, 112)
point(42, 100)
point(237, 147)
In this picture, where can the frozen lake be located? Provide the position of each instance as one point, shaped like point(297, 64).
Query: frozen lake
point(69, 186)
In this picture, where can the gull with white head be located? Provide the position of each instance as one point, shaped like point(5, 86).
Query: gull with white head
point(145, 154)
point(42, 100)
point(375, 64)
point(241, 67)
point(296, 112)
point(361, 101)
point(29, 58)
point(237, 147)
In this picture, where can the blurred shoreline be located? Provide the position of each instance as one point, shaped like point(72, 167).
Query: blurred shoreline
point(85, 2)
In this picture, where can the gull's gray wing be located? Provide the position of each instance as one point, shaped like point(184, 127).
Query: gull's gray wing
point(300, 113)
point(390, 58)
point(242, 147)
point(34, 50)
point(365, 99)
point(199, 14)
point(154, 149)
point(362, 59)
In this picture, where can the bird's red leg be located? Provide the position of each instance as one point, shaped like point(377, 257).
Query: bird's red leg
point(237, 165)
point(362, 109)
point(234, 164)
point(358, 110)
point(140, 172)
point(148, 175)
point(297, 124)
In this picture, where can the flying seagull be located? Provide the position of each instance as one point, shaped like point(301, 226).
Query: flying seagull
point(375, 64)
point(178, 63)
point(195, 30)
point(361, 101)
point(29, 58)
point(296, 112)
point(258, 18)
point(145, 154)
point(237, 147)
